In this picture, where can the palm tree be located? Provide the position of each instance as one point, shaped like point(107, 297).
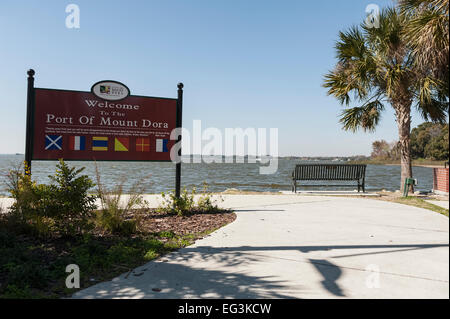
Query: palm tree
point(376, 66)
point(427, 33)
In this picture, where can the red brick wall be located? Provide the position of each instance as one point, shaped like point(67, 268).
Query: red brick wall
point(440, 179)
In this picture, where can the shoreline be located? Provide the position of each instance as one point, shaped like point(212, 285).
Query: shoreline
point(417, 200)
point(430, 164)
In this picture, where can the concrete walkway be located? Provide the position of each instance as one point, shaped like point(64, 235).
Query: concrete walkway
point(291, 246)
point(441, 203)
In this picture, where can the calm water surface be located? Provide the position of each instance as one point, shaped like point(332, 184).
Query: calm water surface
point(158, 177)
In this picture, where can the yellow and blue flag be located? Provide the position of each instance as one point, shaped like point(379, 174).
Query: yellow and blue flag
point(99, 143)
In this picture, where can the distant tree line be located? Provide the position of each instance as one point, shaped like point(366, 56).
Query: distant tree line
point(428, 141)
point(382, 150)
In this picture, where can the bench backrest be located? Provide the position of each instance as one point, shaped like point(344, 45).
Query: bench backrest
point(322, 172)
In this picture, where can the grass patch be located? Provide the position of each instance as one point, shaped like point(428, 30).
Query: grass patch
point(410, 200)
point(418, 202)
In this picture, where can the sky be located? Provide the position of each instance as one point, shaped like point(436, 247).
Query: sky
point(244, 64)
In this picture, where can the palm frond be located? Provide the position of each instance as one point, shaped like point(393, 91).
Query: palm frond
point(355, 69)
point(365, 117)
point(434, 110)
point(431, 103)
point(351, 45)
point(427, 33)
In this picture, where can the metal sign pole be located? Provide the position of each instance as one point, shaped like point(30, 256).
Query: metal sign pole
point(179, 125)
point(29, 127)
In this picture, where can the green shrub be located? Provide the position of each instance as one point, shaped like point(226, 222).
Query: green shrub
point(62, 207)
point(185, 204)
point(114, 223)
point(73, 207)
point(206, 203)
point(153, 244)
point(151, 254)
point(122, 253)
point(29, 272)
point(26, 197)
point(178, 205)
point(166, 234)
point(112, 217)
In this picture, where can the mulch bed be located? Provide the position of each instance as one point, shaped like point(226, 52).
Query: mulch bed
point(48, 256)
point(155, 222)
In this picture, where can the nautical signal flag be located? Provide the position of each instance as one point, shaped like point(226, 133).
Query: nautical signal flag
point(53, 142)
point(161, 145)
point(99, 143)
point(121, 144)
point(143, 145)
point(77, 143)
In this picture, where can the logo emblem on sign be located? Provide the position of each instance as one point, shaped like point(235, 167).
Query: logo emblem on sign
point(110, 90)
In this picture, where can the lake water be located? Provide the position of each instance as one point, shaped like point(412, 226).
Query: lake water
point(157, 177)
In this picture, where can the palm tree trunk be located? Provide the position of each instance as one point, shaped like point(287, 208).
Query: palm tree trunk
point(404, 130)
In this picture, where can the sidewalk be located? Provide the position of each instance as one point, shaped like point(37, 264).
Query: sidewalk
point(293, 246)
point(441, 203)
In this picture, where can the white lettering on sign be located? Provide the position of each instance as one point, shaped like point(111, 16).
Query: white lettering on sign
point(109, 105)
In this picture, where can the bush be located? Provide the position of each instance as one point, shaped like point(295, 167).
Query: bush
point(26, 197)
point(185, 204)
point(177, 205)
point(63, 206)
point(72, 206)
point(205, 202)
point(112, 216)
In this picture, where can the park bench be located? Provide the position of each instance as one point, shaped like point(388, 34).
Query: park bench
point(329, 172)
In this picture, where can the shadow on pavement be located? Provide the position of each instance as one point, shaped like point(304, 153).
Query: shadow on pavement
point(170, 280)
point(170, 277)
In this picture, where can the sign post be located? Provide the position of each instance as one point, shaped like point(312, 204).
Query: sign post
point(105, 124)
point(179, 126)
point(29, 125)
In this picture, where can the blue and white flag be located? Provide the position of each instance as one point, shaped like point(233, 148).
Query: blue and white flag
point(161, 145)
point(53, 142)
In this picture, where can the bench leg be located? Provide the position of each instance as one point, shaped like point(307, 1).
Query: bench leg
point(294, 186)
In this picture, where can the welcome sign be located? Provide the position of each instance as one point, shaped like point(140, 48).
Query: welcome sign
point(106, 124)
